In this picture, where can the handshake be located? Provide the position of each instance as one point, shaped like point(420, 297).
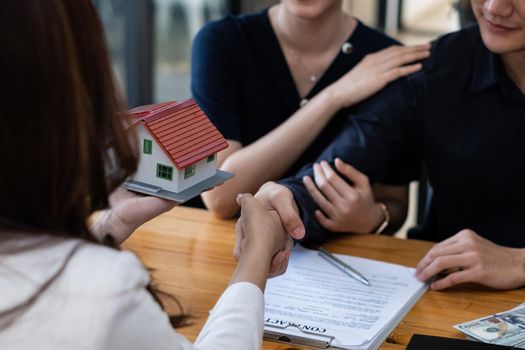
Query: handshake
point(269, 223)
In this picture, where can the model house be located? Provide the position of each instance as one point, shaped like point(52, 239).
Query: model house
point(178, 146)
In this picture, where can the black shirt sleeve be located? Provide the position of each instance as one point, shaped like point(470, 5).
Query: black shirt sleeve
point(215, 55)
point(380, 139)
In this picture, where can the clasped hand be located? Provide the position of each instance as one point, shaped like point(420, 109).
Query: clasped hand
point(260, 231)
point(344, 207)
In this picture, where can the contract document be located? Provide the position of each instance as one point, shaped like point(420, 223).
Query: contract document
point(317, 305)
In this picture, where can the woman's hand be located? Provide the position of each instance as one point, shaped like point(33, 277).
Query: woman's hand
point(262, 245)
point(468, 257)
point(344, 208)
point(375, 71)
point(128, 210)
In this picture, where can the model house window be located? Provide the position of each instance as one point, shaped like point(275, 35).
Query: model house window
point(164, 172)
point(147, 146)
point(189, 171)
point(210, 158)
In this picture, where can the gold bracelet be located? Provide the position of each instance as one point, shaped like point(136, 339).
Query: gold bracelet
point(385, 222)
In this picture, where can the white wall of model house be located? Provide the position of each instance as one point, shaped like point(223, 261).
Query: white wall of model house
point(147, 169)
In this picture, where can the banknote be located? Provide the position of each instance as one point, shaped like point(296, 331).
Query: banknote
point(491, 329)
point(515, 316)
point(505, 328)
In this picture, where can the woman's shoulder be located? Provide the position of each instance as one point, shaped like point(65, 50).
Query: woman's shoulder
point(72, 271)
point(104, 271)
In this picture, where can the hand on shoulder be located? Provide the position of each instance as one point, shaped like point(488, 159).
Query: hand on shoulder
point(375, 71)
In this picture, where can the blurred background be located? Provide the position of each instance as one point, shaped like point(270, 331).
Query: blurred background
point(150, 43)
point(150, 40)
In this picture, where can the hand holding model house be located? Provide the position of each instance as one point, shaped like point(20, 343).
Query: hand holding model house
point(178, 146)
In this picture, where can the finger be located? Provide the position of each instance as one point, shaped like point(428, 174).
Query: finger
point(443, 263)
point(325, 186)
point(289, 246)
point(153, 206)
point(318, 197)
point(135, 211)
point(405, 57)
point(340, 185)
point(284, 265)
point(437, 251)
point(453, 279)
point(384, 56)
point(396, 73)
point(324, 221)
point(250, 207)
point(289, 214)
point(120, 194)
point(279, 198)
point(392, 52)
point(276, 264)
point(359, 179)
point(238, 239)
point(242, 198)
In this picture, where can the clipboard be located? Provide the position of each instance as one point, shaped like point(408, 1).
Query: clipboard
point(322, 318)
point(310, 339)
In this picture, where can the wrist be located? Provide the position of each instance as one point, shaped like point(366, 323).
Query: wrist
point(252, 267)
point(382, 218)
point(333, 98)
point(520, 264)
point(259, 251)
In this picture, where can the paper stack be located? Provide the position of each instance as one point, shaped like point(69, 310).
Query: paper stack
point(316, 305)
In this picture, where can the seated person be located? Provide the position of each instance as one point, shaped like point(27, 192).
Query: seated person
point(251, 74)
point(63, 150)
point(463, 117)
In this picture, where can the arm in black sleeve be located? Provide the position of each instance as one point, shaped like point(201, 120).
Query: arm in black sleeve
point(214, 85)
point(380, 139)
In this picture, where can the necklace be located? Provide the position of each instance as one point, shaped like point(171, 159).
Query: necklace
point(313, 76)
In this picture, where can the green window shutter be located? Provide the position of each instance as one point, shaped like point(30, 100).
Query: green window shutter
point(165, 172)
point(147, 146)
point(189, 171)
point(210, 158)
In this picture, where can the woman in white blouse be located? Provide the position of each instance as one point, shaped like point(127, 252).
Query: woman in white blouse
point(63, 151)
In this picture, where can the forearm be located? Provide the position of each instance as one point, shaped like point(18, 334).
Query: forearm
point(253, 267)
point(306, 207)
point(272, 155)
point(519, 265)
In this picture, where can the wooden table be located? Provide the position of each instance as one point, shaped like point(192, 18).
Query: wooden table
point(190, 254)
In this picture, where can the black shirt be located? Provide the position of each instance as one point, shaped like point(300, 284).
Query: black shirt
point(464, 120)
point(240, 78)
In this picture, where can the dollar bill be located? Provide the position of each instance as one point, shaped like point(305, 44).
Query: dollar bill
point(505, 328)
point(491, 330)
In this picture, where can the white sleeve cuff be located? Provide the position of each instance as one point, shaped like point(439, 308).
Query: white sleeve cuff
point(236, 321)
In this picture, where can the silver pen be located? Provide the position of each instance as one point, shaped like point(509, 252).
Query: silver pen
point(341, 265)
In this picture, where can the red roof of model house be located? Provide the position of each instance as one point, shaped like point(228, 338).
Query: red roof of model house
point(182, 130)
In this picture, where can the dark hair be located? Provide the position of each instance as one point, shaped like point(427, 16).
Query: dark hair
point(61, 113)
point(63, 143)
